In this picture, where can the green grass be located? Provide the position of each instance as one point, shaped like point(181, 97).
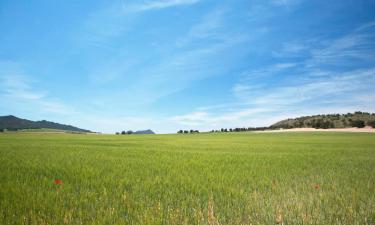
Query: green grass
point(241, 178)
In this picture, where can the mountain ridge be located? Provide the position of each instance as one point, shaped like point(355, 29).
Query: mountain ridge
point(11, 122)
point(148, 131)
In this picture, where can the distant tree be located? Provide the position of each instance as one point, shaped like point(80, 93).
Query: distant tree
point(317, 123)
point(180, 132)
point(1, 130)
point(358, 123)
point(371, 123)
point(129, 132)
point(298, 123)
point(117, 133)
point(123, 132)
point(186, 131)
point(327, 124)
point(230, 130)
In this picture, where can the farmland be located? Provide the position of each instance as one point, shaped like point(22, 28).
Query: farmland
point(221, 178)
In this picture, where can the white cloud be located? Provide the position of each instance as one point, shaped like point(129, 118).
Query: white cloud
point(160, 4)
point(313, 89)
point(210, 27)
point(18, 90)
point(286, 3)
point(356, 46)
point(333, 87)
point(268, 71)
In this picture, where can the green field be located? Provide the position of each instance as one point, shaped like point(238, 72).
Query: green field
point(232, 178)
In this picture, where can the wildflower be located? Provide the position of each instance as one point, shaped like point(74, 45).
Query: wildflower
point(58, 182)
point(317, 186)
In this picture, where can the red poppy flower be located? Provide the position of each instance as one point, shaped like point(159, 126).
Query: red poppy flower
point(58, 182)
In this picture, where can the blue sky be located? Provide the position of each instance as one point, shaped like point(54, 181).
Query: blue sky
point(185, 64)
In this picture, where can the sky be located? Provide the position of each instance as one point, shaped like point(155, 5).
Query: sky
point(168, 65)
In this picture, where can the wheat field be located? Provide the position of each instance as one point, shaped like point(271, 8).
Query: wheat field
point(229, 178)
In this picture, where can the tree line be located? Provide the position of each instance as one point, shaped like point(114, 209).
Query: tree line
point(223, 130)
point(188, 132)
point(324, 121)
point(124, 132)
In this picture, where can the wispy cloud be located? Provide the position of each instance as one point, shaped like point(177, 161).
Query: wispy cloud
point(160, 4)
point(189, 61)
point(337, 95)
point(355, 47)
point(210, 27)
point(270, 70)
point(286, 3)
point(310, 91)
point(18, 90)
point(297, 88)
point(312, 79)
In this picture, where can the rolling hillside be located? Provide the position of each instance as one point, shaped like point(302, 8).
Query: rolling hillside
point(14, 123)
point(327, 121)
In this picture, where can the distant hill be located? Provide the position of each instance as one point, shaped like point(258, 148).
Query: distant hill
point(15, 123)
point(328, 121)
point(144, 132)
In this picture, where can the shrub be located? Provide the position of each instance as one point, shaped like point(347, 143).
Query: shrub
point(371, 123)
point(358, 123)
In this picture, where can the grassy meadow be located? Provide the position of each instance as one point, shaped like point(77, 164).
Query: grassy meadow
point(229, 178)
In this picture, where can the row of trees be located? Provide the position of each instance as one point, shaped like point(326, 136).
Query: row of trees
point(241, 129)
point(322, 124)
point(124, 132)
point(187, 132)
point(9, 129)
point(371, 124)
point(325, 124)
point(316, 123)
point(358, 123)
point(225, 130)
